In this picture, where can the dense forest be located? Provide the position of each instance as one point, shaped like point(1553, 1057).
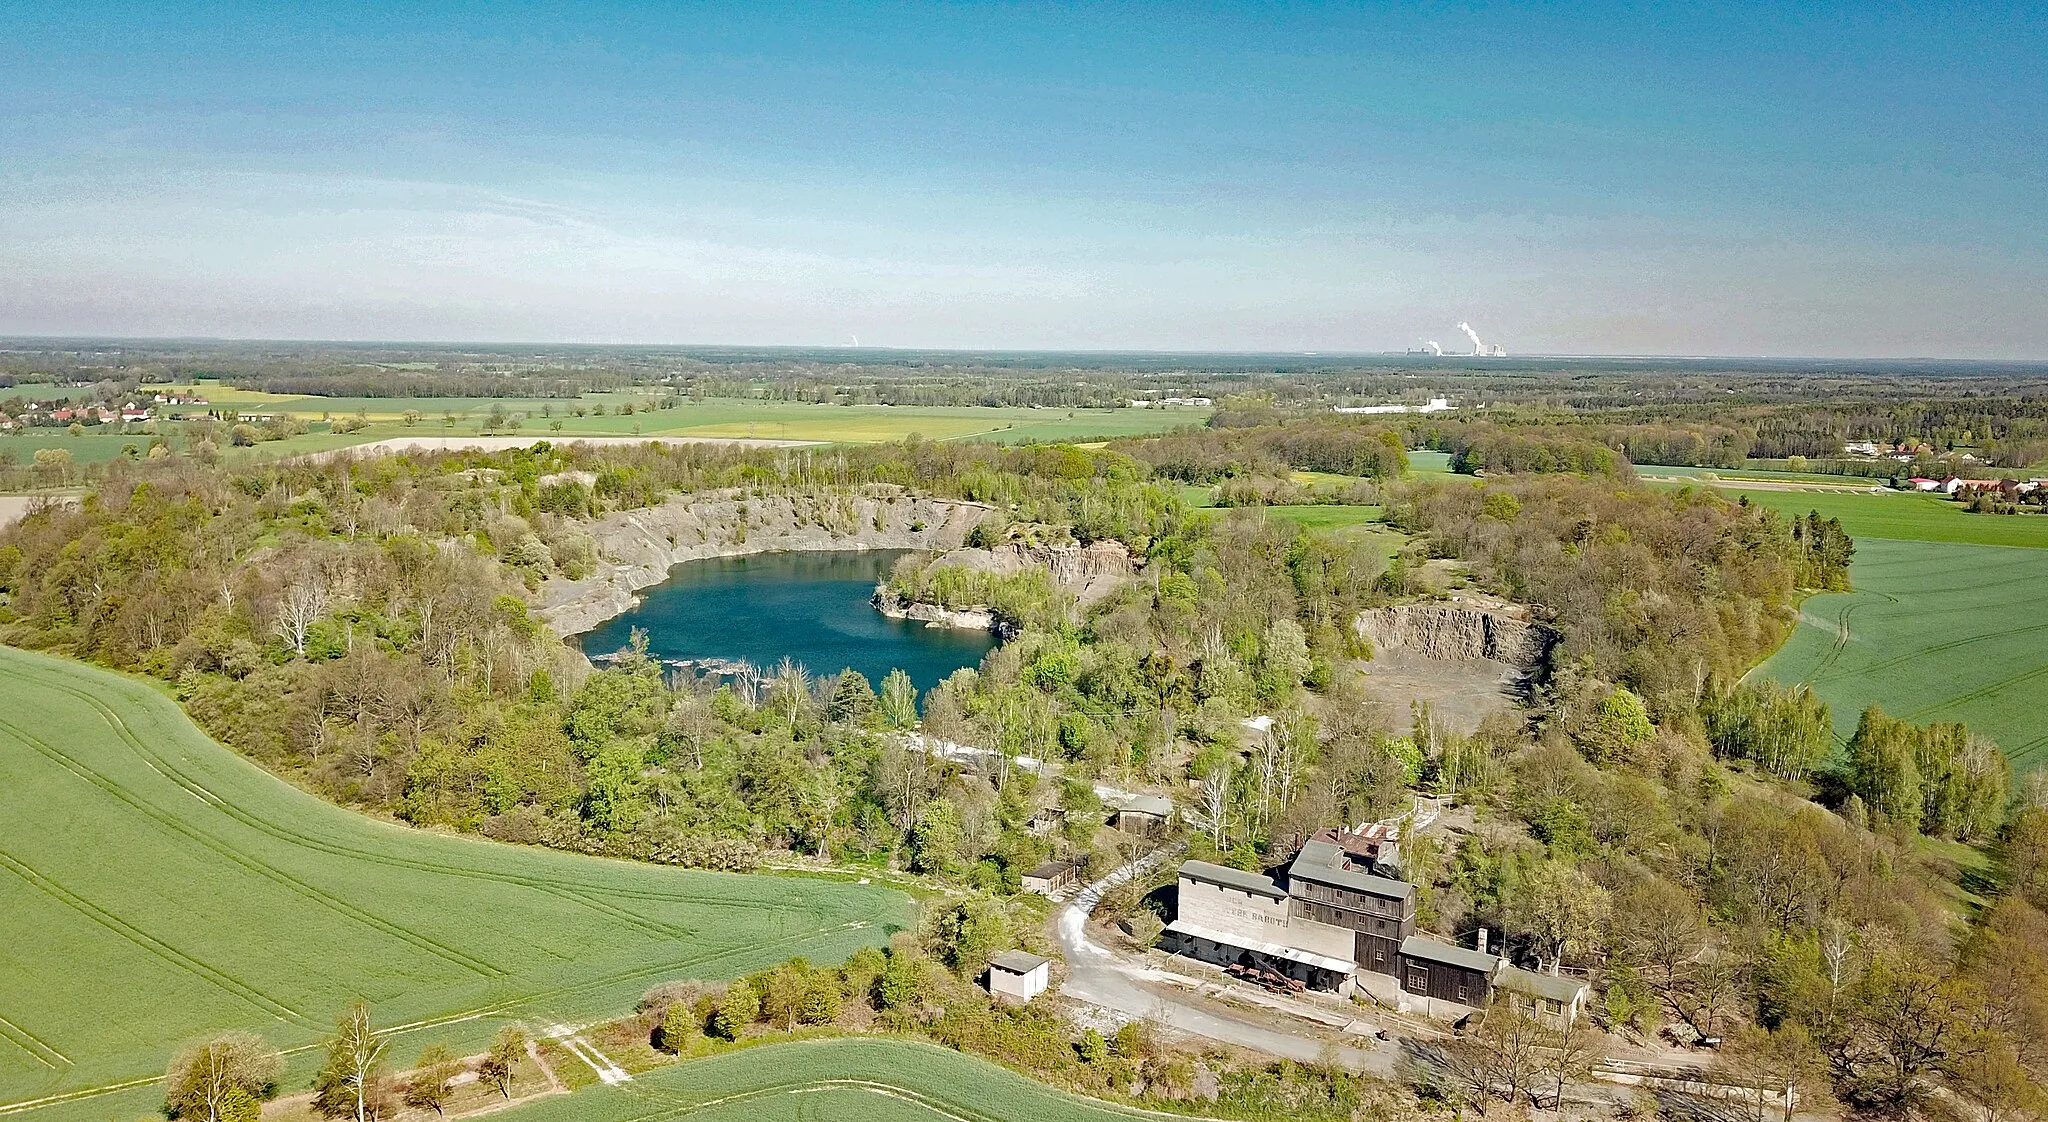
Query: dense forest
point(1700, 848)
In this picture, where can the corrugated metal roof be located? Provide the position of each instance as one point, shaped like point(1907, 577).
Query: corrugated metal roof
point(1546, 986)
point(1428, 949)
point(1232, 878)
point(1277, 950)
point(1158, 805)
point(1017, 962)
point(1324, 863)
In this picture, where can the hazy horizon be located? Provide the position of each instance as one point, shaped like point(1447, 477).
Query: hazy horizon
point(1786, 180)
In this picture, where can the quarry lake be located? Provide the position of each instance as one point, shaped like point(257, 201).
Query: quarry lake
point(810, 607)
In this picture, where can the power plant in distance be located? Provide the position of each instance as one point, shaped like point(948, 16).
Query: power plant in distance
point(1479, 349)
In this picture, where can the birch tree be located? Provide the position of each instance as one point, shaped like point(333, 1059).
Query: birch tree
point(352, 1084)
point(303, 603)
point(206, 1081)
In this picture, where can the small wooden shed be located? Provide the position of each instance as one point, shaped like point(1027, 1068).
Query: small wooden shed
point(1052, 878)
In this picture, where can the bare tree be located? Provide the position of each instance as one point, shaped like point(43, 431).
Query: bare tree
point(1504, 1059)
point(1216, 801)
point(1567, 1058)
point(1773, 1066)
point(303, 603)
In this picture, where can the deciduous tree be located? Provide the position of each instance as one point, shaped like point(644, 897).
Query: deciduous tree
point(353, 1083)
point(208, 1082)
point(503, 1059)
point(427, 1087)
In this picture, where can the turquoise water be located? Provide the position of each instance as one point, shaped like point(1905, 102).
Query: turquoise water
point(811, 607)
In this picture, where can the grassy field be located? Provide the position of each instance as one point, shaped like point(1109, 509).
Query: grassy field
point(1328, 516)
point(1768, 475)
point(844, 1080)
point(89, 447)
point(1933, 631)
point(722, 417)
point(157, 887)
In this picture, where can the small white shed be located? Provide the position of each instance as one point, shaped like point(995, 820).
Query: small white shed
point(1018, 975)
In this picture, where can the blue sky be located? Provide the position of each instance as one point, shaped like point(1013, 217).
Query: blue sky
point(1790, 180)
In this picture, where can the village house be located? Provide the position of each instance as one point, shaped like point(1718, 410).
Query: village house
point(1441, 974)
point(1550, 998)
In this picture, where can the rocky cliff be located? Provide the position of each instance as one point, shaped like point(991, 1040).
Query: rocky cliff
point(636, 548)
point(1459, 631)
point(931, 615)
point(1090, 571)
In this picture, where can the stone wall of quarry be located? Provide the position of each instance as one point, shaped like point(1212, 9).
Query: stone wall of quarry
point(637, 548)
point(1090, 572)
point(1459, 632)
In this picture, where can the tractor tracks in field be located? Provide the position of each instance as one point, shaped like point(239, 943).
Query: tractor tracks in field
point(151, 944)
point(810, 917)
point(163, 766)
point(1920, 652)
point(242, 860)
point(799, 905)
point(34, 1045)
point(1977, 694)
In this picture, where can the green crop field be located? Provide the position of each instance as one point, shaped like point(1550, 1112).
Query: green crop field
point(155, 887)
point(1907, 517)
point(1933, 631)
point(1942, 624)
point(93, 446)
point(842, 1080)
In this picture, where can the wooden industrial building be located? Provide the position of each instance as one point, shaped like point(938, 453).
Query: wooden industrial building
point(1443, 972)
point(1326, 886)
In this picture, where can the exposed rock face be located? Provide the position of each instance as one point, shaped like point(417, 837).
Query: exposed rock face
point(1453, 631)
point(637, 548)
point(1090, 571)
point(970, 619)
